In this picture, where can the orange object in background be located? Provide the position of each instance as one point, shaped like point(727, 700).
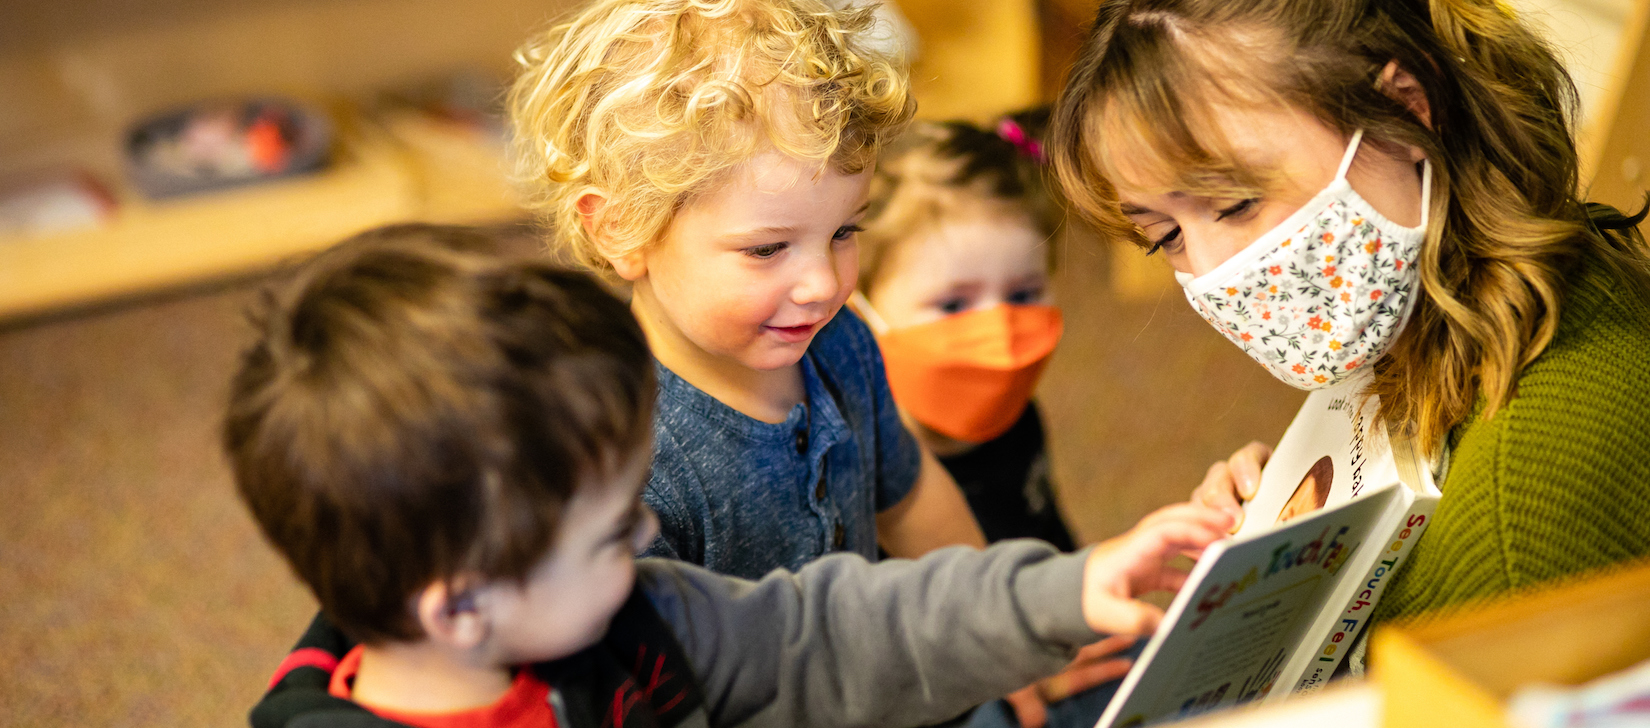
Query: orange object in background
point(970, 376)
point(266, 146)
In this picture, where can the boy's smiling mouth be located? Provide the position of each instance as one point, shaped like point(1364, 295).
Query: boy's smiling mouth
point(793, 334)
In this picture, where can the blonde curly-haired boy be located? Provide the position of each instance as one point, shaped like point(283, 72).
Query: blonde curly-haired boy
point(716, 155)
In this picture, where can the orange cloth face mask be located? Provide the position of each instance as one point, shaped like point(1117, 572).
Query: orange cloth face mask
point(970, 376)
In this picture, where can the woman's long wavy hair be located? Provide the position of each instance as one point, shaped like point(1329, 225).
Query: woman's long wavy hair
point(1507, 225)
point(649, 102)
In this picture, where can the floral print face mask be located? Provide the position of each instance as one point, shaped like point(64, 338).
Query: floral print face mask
point(1324, 293)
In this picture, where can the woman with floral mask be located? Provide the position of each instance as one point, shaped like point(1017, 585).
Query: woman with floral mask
point(1384, 195)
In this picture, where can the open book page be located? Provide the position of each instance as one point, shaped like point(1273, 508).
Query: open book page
point(1333, 451)
point(1337, 495)
point(1244, 613)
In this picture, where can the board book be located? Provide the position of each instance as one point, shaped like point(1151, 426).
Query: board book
point(1273, 610)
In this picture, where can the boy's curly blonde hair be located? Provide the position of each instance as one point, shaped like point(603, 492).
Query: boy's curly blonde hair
point(648, 102)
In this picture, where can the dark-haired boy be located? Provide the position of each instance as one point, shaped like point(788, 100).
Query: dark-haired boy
point(449, 449)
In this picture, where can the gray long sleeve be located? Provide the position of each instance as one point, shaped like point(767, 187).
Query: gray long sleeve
point(844, 642)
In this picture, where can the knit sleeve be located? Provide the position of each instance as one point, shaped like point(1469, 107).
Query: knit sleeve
point(1557, 483)
point(1463, 554)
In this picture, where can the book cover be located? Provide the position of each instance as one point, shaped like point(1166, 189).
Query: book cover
point(1273, 609)
point(1242, 614)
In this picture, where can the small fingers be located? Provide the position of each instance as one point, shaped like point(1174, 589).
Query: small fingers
point(1169, 581)
point(1078, 679)
point(1090, 676)
point(1028, 706)
point(1113, 615)
point(1188, 527)
point(1215, 517)
point(1104, 649)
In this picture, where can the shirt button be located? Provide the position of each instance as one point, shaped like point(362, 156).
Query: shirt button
point(801, 442)
point(841, 536)
point(819, 490)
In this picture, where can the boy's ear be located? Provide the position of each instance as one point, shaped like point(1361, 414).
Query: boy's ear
point(630, 265)
point(590, 206)
point(1401, 85)
point(450, 614)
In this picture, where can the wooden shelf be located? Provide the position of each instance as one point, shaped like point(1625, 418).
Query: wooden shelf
point(436, 174)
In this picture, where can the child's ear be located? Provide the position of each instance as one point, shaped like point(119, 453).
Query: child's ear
point(451, 615)
point(1401, 85)
point(590, 206)
point(630, 265)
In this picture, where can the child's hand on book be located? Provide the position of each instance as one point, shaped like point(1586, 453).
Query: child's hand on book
point(1141, 561)
point(1096, 665)
point(1232, 482)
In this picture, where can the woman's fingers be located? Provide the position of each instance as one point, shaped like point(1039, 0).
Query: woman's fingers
point(1245, 466)
point(1227, 485)
point(1219, 490)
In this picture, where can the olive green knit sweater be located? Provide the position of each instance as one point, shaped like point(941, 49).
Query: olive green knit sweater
point(1558, 482)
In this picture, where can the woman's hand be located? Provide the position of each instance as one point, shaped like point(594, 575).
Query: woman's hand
point(1232, 482)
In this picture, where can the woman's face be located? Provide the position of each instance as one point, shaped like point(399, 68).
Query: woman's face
point(1299, 152)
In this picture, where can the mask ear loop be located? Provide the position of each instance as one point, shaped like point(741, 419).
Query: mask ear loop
point(1426, 175)
point(1426, 192)
point(1351, 152)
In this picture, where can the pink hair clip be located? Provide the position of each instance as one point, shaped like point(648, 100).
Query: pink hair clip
point(1013, 133)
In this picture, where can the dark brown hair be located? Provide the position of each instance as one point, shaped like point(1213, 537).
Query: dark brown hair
point(937, 169)
point(1507, 224)
point(416, 409)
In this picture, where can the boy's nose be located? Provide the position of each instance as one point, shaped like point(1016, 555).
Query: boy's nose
point(818, 281)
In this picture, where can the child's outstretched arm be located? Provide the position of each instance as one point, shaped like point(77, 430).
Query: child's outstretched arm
point(904, 643)
point(933, 515)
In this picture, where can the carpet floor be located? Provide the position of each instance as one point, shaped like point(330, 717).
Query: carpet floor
point(135, 590)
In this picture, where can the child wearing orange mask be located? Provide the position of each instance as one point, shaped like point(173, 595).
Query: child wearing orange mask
point(954, 263)
point(954, 267)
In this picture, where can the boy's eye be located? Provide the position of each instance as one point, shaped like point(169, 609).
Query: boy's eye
point(1241, 207)
point(765, 251)
point(846, 231)
point(953, 305)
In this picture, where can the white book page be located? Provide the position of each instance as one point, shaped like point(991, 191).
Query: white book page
point(1334, 451)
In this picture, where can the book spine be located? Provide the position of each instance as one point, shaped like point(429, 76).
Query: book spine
point(1334, 647)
